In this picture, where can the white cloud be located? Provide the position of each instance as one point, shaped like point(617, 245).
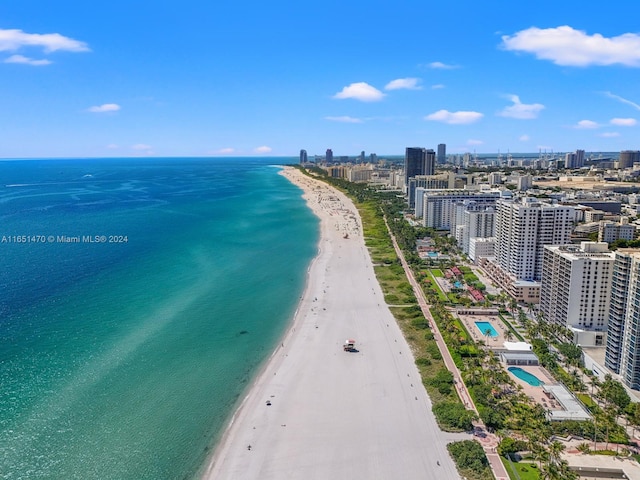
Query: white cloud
point(471, 141)
point(623, 122)
point(27, 61)
point(454, 118)
point(141, 147)
point(442, 66)
point(360, 91)
point(623, 100)
point(404, 84)
point(609, 134)
point(437, 86)
point(107, 107)
point(344, 119)
point(586, 125)
point(524, 138)
point(226, 151)
point(521, 110)
point(262, 149)
point(12, 40)
point(569, 47)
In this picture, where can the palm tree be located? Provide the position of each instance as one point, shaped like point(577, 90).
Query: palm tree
point(555, 450)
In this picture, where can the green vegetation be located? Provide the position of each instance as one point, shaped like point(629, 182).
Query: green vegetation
point(523, 470)
point(470, 460)
point(373, 207)
point(454, 415)
point(501, 404)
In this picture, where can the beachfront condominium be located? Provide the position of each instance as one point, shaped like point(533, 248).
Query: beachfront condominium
point(625, 259)
point(472, 220)
point(418, 161)
point(303, 157)
point(622, 354)
point(442, 153)
point(438, 206)
point(576, 289)
point(523, 227)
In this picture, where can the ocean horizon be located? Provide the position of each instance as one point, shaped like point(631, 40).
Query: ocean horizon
point(140, 298)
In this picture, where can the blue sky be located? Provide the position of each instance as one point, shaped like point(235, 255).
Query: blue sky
point(167, 78)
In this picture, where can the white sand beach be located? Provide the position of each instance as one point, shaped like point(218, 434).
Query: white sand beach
point(333, 413)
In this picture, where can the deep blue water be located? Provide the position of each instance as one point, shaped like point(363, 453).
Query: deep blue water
point(125, 359)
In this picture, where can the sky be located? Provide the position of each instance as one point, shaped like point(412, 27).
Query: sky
point(200, 78)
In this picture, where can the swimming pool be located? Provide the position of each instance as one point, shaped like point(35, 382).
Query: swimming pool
point(525, 376)
point(457, 284)
point(433, 254)
point(485, 327)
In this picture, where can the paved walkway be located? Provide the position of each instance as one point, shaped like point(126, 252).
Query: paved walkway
point(488, 441)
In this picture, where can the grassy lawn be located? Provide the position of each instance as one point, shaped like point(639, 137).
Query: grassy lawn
point(525, 470)
point(436, 272)
point(437, 289)
point(587, 400)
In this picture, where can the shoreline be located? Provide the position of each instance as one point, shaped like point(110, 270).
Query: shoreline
point(315, 411)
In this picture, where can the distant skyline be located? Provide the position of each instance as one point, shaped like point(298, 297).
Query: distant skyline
point(213, 78)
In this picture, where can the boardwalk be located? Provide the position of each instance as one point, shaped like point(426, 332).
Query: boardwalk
point(488, 441)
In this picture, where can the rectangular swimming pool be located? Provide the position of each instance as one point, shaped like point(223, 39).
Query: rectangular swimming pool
point(486, 328)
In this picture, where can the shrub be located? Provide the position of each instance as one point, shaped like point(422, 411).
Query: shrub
point(423, 361)
point(453, 415)
point(469, 455)
point(434, 351)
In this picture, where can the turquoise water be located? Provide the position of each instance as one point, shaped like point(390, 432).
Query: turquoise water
point(525, 376)
point(433, 254)
point(125, 360)
point(457, 284)
point(486, 326)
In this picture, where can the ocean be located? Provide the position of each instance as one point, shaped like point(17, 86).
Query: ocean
point(138, 300)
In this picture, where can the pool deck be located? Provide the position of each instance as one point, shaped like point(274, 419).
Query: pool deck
point(469, 322)
point(535, 394)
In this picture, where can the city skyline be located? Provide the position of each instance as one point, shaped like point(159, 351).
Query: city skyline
point(257, 79)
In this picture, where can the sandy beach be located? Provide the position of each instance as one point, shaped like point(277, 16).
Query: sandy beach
point(333, 413)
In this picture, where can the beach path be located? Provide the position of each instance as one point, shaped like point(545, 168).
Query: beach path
point(333, 413)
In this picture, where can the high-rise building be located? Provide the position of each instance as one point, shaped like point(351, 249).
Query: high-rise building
point(303, 156)
point(628, 158)
point(574, 160)
point(576, 286)
point(414, 163)
point(430, 163)
point(329, 155)
point(439, 206)
point(442, 153)
point(362, 156)
point(570, 160)
point(473, 220)
point(523, 227)
point(625, 260)
point(622, 354)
